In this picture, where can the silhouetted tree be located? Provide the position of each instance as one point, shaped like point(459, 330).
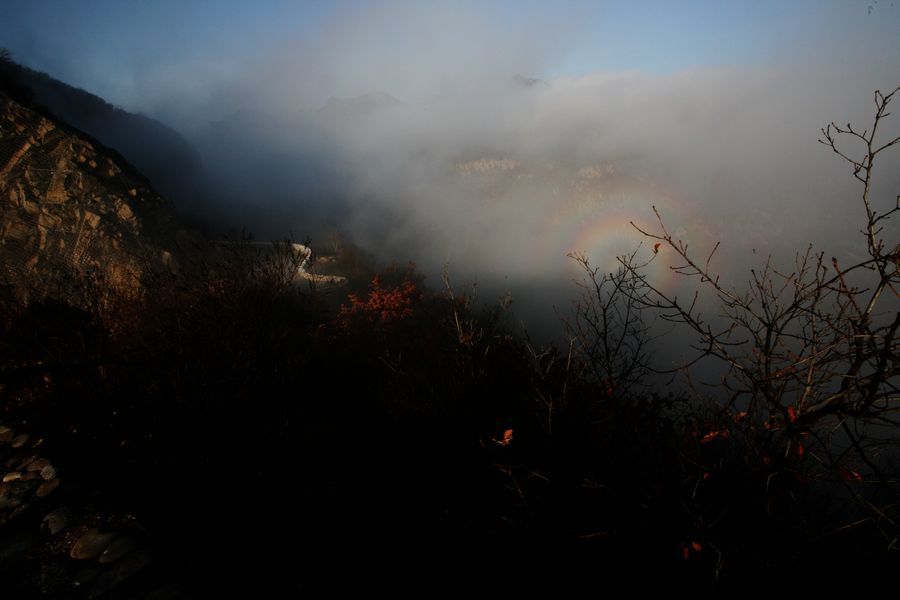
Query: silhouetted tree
point(811, 354)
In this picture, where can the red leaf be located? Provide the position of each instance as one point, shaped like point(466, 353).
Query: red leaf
point(506, 439)
point(716, 434)
point(848, 475)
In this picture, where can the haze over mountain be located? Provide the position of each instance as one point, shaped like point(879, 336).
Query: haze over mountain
point(155, 149)
point(503, 184)
point(366, 125)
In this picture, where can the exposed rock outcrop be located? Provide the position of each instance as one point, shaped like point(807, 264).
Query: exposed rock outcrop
point(158, 151)
point(68, 207)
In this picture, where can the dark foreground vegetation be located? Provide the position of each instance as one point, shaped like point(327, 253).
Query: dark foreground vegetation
point(250, 433)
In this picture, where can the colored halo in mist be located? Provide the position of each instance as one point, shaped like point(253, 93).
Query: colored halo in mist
point(596, 219)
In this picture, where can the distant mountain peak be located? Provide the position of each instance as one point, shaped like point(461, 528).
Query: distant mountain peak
point(359, 105)
point(521, 80)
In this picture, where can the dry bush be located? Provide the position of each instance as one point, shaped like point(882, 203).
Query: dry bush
point(809, 392)
point(610, 330)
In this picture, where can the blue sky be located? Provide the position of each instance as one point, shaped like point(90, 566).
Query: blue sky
point(110, 46)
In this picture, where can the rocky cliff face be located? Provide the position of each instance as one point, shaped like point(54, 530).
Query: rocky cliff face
point(68, 207)
point(159, 152)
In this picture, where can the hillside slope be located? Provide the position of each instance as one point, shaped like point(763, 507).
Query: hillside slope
point(68, 206)
point(156, 150)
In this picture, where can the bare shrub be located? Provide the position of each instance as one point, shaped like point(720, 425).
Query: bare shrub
point(810, 353)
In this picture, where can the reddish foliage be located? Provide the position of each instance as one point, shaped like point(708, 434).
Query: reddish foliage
point(782, 373)
point(506, 439)
point(848, 475)
point(717, 434)
point(381, 305)
point(610, 387)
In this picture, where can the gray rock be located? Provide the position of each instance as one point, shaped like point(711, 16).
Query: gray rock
point(169, 592)
point(86, 576)
point(24, 464)
point(119, 573)
point(56, 520)
point(91, 544)
point(47, 488)
point(117, 549)
point(38, 464)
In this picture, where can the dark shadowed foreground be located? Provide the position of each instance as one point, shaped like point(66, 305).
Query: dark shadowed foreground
point(214, 427)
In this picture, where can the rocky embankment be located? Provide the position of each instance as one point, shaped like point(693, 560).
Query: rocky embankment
point(69, 207)
point(76, 222)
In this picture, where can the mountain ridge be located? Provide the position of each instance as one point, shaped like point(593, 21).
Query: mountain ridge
point(154, 149)
point(71, 208)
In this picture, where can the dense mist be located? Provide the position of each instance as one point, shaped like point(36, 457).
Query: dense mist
point(452, 136)
point(464, 159)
